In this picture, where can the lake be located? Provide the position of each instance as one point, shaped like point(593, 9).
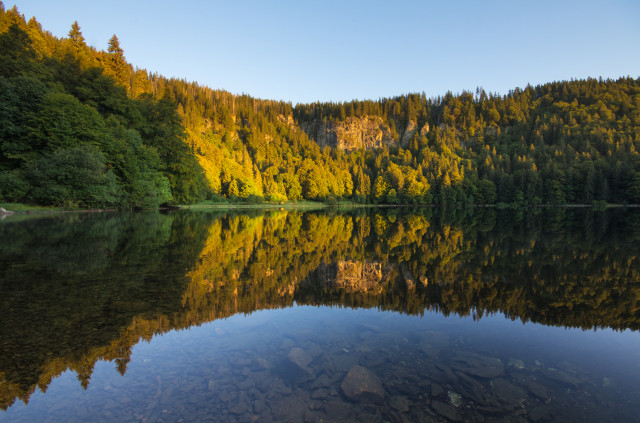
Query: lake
point(363, 315)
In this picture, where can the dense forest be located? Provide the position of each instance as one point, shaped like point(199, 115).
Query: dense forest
point(83, 127)
point(101, 282)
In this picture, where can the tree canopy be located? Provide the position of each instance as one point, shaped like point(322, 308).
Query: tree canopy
point(563, 142)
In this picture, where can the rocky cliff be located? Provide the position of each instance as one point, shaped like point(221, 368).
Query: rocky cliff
point(361, 132)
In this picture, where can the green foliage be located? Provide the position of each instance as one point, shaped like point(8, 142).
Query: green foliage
point(13, 184)
point(487, 193)
point(73, 176)
point(69, 135)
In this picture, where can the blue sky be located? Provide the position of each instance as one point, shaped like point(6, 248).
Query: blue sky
point(304, 51)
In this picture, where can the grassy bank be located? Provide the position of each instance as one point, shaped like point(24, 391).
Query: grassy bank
point(227, 205)
point(31, 208)
point(21, 208)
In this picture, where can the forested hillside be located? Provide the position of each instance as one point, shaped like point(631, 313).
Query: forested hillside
point(84, 127)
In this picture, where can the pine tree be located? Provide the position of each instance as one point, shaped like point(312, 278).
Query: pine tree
point(114, 47)
point(117, 64)
point(75, 35)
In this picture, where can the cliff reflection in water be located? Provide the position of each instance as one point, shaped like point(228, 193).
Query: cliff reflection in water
point(75, 289)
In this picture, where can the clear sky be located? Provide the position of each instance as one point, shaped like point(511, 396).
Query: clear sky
point(304, 51)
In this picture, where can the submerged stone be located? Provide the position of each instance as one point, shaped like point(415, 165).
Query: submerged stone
point(516, 363)
point(446, 410)
point(436, 390)
point(322, 381)
point(337, 410)
point(320, 394)
point(299, 357)
point(538, 390)
point(540, 413)
point(455, 398)
point(478, 365)
point(560, 376)
point(361, 383)
point(399, 403)
point(508, 393)
point(433, 342)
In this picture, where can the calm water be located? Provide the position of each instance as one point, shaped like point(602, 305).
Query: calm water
point(382, 315)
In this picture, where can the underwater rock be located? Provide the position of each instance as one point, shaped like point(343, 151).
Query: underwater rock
point(322, 381)
point(262, 363)
point(448, 373)
point(372, 360)
point(259, 406)
point(477, 365)
point(299, 357)
point(516, 363)
point(436, 390)
point(290, 408)
point(239, 408)
point(320, 394)
point(294, 368)
point(446, 410)
point(433, 342)
point(361, 383)
point(337, 410)
point(473, 389)
point(455, 398)
point(560, 376)
point(315, 405)
point(537, 390)
point(399, 403)
point(313, 417)
point(508, 393)
point(540, 412)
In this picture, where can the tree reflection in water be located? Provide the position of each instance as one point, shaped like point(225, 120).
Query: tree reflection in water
point(79, 288)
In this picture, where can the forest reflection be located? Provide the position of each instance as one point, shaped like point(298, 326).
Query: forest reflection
point(78, 288)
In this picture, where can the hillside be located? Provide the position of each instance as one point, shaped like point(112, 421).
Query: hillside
point(84, 127)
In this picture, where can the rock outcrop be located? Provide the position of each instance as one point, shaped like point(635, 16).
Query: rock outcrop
point(4, 213)
point(408, 133)
point(363, 132)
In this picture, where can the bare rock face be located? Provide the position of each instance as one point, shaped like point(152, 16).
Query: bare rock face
point(424, 130)
point(408, 133)
point(362, 384)
point(361, 132)
point(352, 134)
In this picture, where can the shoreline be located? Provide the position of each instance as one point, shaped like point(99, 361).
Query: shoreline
point(41, 210)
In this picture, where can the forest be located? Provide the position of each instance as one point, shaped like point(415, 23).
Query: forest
point(85, 128)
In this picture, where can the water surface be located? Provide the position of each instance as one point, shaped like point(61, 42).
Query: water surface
point(367, 315)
